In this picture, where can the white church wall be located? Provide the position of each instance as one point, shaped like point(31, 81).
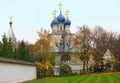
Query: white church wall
point(67, 27)
point(76, 68)
point(54, 29)
point(14, 73)
point(75, 64)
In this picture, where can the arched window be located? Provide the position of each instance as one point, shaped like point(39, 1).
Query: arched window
point(60, 27)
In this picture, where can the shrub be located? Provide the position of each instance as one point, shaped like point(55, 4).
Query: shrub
point(49, 72)
point(65, 70)
point(83, 71)
point(75, 73)
point(40, 73)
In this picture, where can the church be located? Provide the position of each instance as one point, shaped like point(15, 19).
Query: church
point(60, 26)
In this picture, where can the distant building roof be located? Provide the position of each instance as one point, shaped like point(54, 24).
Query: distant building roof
point(14, 61)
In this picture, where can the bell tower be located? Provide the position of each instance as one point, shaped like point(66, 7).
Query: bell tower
point(11, 35)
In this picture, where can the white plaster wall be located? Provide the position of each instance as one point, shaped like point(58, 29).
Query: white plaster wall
point(76, 68)
point(67, 28)
point(14, 73)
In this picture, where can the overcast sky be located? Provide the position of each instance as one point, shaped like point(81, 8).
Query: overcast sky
point(30, 15)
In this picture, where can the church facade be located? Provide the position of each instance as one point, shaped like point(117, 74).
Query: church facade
point(60, 27)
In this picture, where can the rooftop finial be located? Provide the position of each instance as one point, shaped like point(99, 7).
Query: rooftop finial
point(60, 4)
point(10, 19)
point(66, 13)
point(54, 13)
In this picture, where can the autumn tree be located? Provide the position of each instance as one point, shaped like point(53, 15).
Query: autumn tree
point(43, 49)
point(82, 42)
point(99, 37)
point(103, 40)
point(117, 53)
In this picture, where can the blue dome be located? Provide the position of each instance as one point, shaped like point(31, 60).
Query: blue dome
point(67, 22)
point(55, 21)
point(61, 18)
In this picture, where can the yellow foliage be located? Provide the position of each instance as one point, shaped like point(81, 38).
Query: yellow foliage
point(49, 64)
point(40, 65)
point(43, 66)
point(43, 44)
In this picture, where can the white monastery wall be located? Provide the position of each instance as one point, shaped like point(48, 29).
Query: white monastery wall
point(14, 73)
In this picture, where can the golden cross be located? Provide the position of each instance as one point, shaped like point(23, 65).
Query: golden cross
point(66, 13)
point(60, 4)
point(54, 13)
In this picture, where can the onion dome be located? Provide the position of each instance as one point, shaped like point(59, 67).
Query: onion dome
point(61, 18)
point(55, 21)
point(67, 22)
